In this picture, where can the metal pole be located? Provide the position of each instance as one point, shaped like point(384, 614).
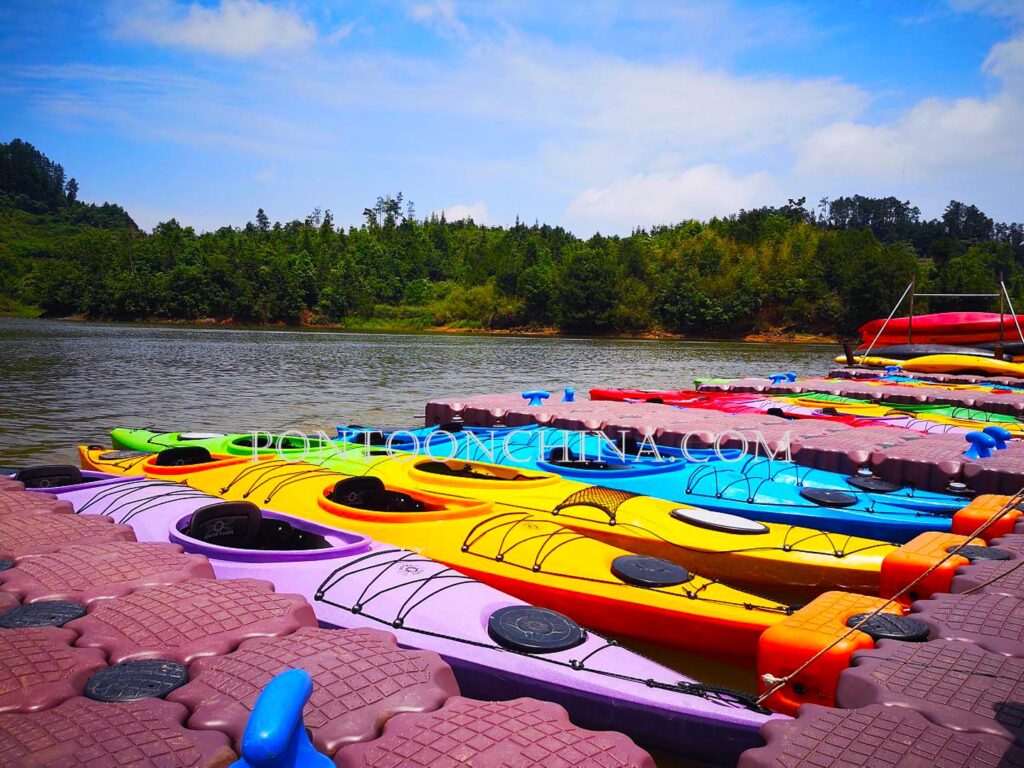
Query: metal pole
point(1002, 311)
point(910, 319)
point(882, 329)
point(1012, 310)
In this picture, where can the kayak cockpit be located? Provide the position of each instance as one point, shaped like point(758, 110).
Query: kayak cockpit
point(243, 445)
point(457, 473)
point(241, 530)
point(367, 498)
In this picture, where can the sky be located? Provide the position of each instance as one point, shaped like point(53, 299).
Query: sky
point(596, 115)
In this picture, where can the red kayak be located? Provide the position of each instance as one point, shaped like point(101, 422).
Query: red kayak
point(958, 328)
point(726, 402)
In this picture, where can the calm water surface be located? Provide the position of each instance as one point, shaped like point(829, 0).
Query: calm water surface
point(64, 383)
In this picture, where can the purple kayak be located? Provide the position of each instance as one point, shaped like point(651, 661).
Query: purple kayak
point(499, 647)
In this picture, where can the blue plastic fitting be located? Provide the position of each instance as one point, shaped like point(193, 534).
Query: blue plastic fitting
point(892, 370)
point(981, 445)
point(999, 434)
point(778, 378)
point(275, 736)
point(536, 396)
point(569, 396)
point(791, 376)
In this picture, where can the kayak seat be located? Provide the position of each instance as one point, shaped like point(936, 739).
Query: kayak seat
point(185, 456)
point(369, 493)
point(241, 525)
point(49, 476)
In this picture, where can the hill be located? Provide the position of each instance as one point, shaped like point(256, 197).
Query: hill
point(788, 268)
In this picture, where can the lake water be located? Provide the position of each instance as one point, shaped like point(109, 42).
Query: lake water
point(64, 383)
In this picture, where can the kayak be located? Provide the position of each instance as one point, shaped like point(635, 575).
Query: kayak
point(962, 364)
point(727, 402)
point(871, 361)
point(943, 364)
point(908, 351)
point(963, 417)
point(531, 556)
point(352, 581)
point(753, 487)
point(957, 328)
point(789, 562)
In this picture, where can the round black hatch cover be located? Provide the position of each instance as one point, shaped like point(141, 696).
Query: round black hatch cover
point(133, 680)
point(49, 613)
point(645, 571)
point(827, 497)
point(889, 626)
point(533, 630)
point(872, 484)
point(975, 552)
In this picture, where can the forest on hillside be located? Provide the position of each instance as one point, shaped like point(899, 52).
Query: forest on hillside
point(797, 268)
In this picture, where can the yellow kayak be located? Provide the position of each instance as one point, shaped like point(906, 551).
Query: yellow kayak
point(528, 555)
point(787, 561)
point(871, 361)
point(963, 364)
point(943, 364)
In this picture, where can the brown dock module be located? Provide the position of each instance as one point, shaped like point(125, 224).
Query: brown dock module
point(520, 732)
point(361, 678)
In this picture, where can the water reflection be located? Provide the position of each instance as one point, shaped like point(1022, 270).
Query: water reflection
point(64, 383)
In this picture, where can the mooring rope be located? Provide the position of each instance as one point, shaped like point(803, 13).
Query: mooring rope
point(776, 684)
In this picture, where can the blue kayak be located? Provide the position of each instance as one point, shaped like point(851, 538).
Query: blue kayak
point(755, 487)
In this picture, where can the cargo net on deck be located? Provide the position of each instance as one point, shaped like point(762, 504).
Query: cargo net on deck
point(428, 587)
point(608, 500)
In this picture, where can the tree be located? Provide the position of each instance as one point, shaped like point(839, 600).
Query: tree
point(262, 221)
point(586, 295)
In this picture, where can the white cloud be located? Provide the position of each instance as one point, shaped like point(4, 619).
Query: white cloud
point(659, 198)
point(1006, 61)
point(440, 15)
point(935, 137)
point(342, 32)
point(476, 211)
point(234, 28)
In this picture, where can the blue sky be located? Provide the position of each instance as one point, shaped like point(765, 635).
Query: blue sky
point(598, 115)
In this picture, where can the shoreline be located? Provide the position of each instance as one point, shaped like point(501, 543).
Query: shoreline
point(384, 326)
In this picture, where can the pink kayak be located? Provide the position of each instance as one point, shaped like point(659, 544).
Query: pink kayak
point(943, 328)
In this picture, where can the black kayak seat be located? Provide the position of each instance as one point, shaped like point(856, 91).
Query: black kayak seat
point(234, 524)
point(241, 525)
point(49, 476)
point(370, 494)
